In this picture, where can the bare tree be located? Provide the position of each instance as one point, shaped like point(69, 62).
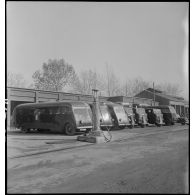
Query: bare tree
point(169, 88)
point(55, 75)
point(15, 80)
point(132, 87)
point(87, 81)
point(113, 84)
point(139, 85)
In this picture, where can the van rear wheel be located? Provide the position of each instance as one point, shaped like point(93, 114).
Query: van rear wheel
point(69, 129)
point(158, 125)
point(131, 126)
point(25, 130)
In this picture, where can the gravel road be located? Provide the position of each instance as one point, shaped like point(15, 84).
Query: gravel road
point(156, 163)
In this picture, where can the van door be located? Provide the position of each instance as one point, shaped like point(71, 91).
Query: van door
point(44, 118)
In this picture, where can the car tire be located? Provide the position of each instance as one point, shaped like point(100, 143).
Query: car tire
point(25, 130)
point(167, 124)
point(103, 128)
point(142, 125)
point(69, 129)
point(131, 126)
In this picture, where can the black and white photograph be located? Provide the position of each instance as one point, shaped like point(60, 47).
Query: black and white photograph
point(97, 97)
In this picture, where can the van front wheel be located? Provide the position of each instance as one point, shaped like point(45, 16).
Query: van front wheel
point(69, 129)
point(142, 125)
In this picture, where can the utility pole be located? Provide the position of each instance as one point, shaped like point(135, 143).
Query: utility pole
point(126, 88)
point(153, 94)
point(108, 79)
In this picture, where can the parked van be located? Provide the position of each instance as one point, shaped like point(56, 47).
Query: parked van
point(169, 114)
point(118, 114)
point(140, 116)
point(104, 116)
point(131, 115)
point(129, 112)
point(66, 117)
point(155, 116)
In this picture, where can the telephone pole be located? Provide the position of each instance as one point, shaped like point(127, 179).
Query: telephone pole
point(108, 79)
point(153, 94)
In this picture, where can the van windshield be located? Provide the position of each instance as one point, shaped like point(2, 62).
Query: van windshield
point(120, 112)
point(172, 110)
point(165, 110)
point(157, 111)
point(104, 113)
point(128, 110)
point(81, 114)
point(141, 111)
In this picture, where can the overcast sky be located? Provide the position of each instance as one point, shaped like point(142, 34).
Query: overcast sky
point(134, 39)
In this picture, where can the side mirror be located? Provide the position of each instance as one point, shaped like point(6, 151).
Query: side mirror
point(100, 120)
point(80, 122)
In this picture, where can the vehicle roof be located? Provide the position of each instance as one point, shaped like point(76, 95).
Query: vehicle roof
point(163, 106)
point(157, 107)
point(62, 103)
point(101, 104)
point(112, 104)
point(154, 108)
point(139, 108)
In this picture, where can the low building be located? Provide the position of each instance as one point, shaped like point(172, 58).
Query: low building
point(181, 106)
point(133, 100)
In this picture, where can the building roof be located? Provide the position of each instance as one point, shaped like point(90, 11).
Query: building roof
point(54, 103)
point(167, 96)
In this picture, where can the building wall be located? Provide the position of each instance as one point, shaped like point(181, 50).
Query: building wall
point(146, 94)
point(132, 100)
point(178, 105)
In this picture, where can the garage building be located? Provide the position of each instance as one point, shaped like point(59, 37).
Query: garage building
point(181, 106)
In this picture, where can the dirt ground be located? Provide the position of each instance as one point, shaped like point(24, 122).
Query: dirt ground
point(154, 163)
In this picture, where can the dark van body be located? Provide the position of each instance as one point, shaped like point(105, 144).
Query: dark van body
point(104, 116)
point(169, 114)
point(140, 116)
point(66, 117)
point(155, 116)
point(118, 114)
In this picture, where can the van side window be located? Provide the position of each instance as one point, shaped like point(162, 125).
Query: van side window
point(53, 110)
point(37, 114)
point(63, 109)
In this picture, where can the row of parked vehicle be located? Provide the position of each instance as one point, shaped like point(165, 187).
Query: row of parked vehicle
point(69, 117)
